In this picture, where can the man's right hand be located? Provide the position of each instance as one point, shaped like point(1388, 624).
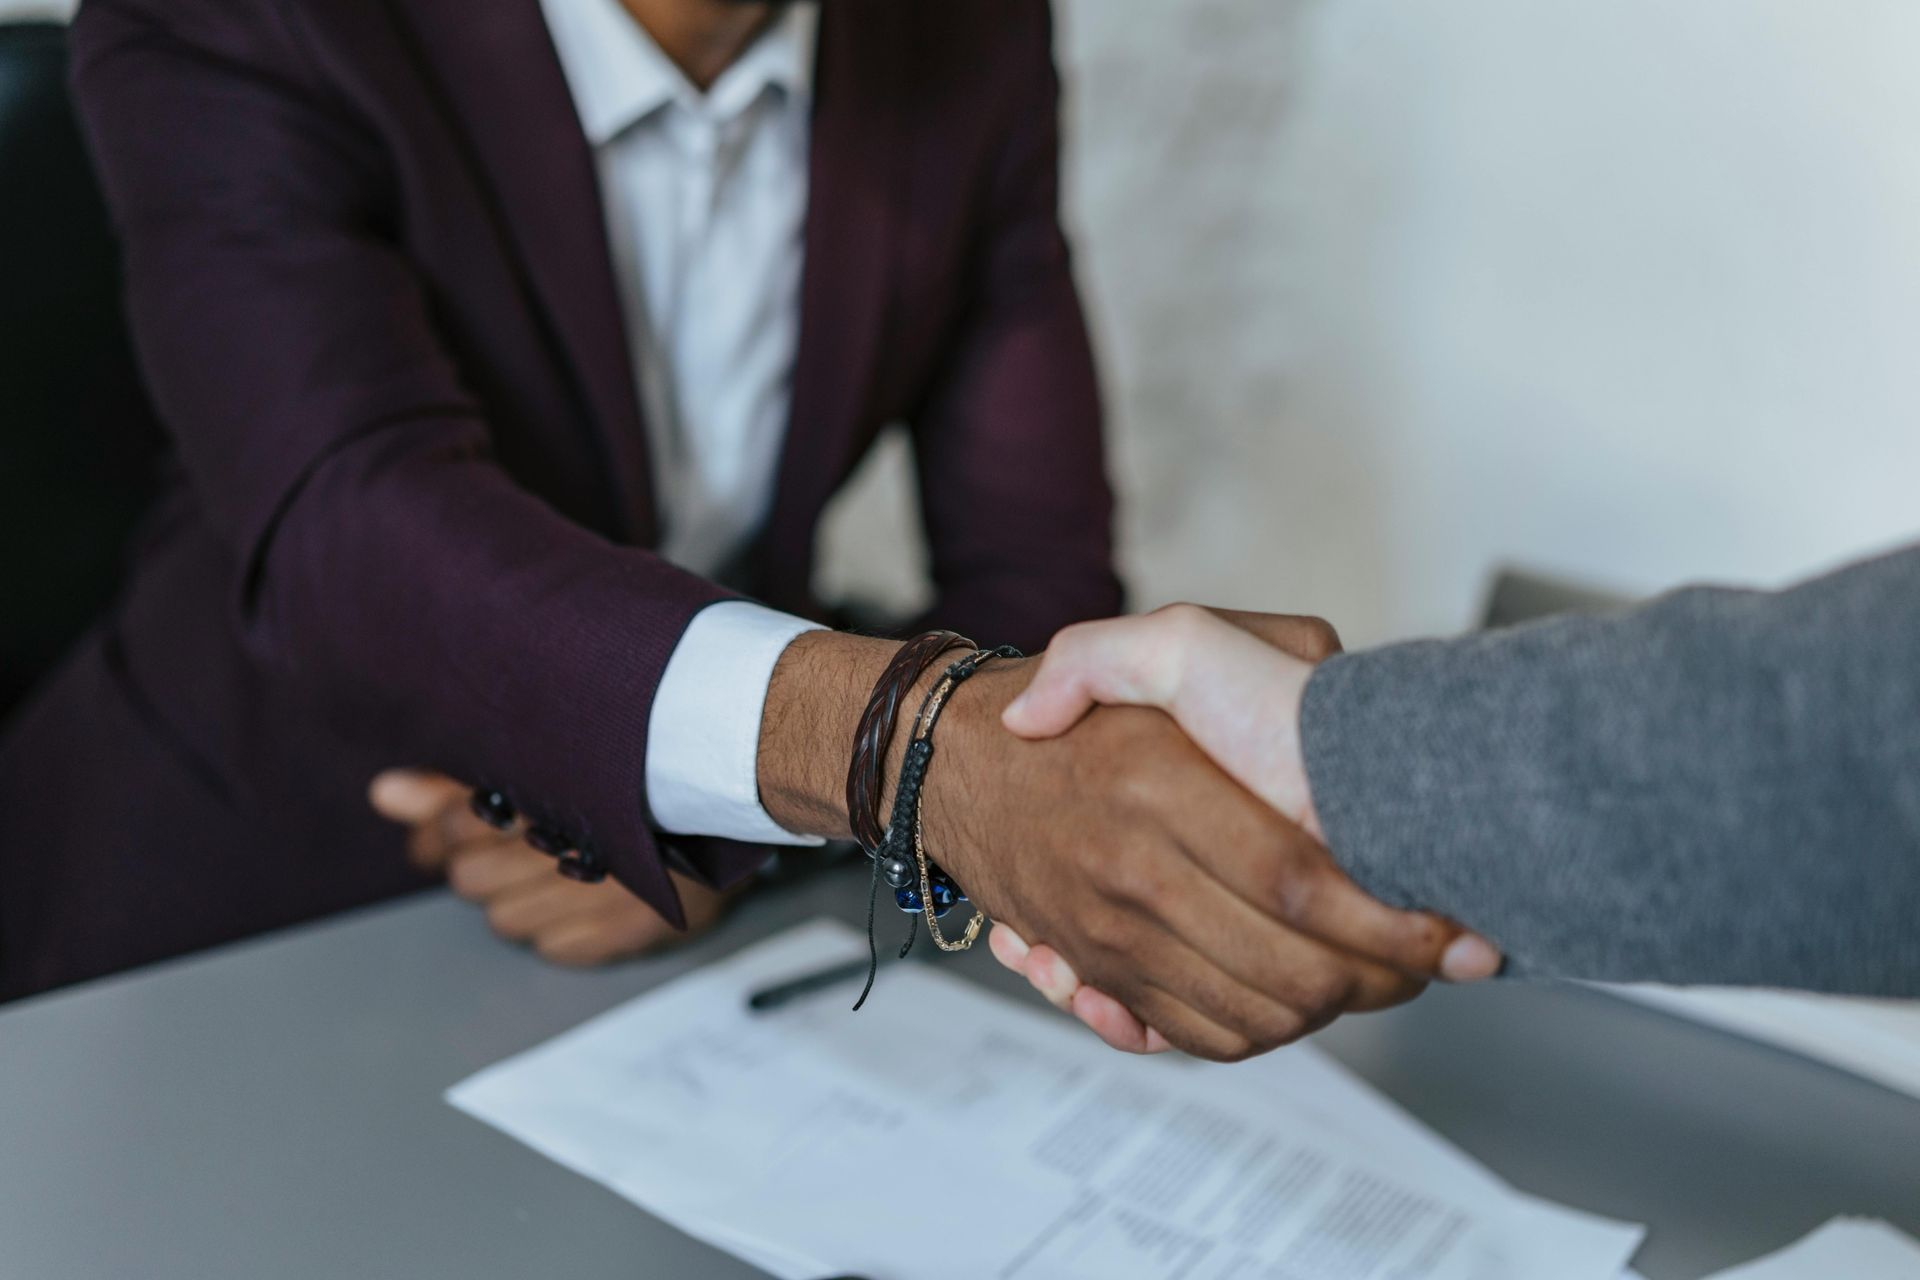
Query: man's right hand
point(1164, 883)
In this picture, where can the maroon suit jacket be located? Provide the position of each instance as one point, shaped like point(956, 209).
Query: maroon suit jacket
point(410, 520)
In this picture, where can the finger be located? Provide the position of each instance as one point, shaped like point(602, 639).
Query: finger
point(1051, 975)
point(629, 928)
point(1113, 1023)
point(1228, 689)
point(1122, 660)
point(624, 926)
point(1186, 1028)
point(702, 904)
point(436, 810)
point(1307, 638)
point(413, 796)
point(579, 944)
point(1054, 978)
point(1285, 874)
point(1008, 947)
point(1316, 979)
point(480, 872)
point(1470, 958)
point(1377, 987)
point(432, 842)
point(1207, 994)
point(521, 912)
point(1261, 954)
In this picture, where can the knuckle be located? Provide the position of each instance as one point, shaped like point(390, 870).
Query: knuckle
point(1233, 1047)
point(1296, 894)
point(571, 952)
point(1422, 940)
point(1107, 933)
point(1140, 782)
point(1066, 643)
point(1141, 881)
point(467, 882)
point(1324, 997)
point(1282, 1027)
point(1318, 639)
point(504, 919)
point(1182, 623)
point(1130, 787)
point(1401, 992)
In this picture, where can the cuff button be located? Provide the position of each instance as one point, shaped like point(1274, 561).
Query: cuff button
point(584, 866)
point(548, 841)
point(493, 808)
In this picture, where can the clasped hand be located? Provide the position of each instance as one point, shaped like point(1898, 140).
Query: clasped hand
point(1195, 905)
point(1133, 803)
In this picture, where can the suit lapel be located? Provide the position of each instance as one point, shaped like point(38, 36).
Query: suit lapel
point(853, 183)
point(501, 79)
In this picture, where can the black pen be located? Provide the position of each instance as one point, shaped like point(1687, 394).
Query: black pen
point(806, 984)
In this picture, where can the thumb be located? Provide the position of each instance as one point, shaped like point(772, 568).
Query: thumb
point(1116, 661)
point(412, 796)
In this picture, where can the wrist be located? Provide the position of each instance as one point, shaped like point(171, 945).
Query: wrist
point(962, 790)
point(1293, 697)
point(819, 688)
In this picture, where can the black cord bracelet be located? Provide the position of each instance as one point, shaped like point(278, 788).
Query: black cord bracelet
point(920, 887)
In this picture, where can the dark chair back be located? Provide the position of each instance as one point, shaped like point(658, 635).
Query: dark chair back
point(1518, 597)
point(78, 443)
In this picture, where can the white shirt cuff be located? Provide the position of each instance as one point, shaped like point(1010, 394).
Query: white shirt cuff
point(703, 738)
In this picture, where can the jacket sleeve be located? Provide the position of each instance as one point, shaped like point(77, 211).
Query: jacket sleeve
point(1721, 787)
point(384, 562)
point(1012, 464)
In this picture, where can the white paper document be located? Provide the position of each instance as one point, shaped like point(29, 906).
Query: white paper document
point(1844, 1249)
point(946, 1132)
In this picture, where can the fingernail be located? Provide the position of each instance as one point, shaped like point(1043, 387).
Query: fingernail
point(1469, 959)
point(1012, 711)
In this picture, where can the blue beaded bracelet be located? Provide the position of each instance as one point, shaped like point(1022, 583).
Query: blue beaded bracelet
point(920, 887)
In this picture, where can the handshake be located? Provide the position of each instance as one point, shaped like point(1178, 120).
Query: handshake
point(1132, 809)
point(1135, 803)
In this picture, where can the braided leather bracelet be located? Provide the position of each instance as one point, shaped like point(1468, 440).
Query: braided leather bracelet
point(935, 894)
point(865, 784)
point(919, 886)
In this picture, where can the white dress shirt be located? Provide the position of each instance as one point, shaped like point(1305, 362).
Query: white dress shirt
point(706, 206)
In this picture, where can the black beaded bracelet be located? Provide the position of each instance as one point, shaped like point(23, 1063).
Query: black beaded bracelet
point(920, 887)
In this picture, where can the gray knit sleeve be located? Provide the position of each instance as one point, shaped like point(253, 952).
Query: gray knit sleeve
point(1720, 787)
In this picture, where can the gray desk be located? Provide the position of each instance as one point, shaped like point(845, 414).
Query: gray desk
point(273, 1112)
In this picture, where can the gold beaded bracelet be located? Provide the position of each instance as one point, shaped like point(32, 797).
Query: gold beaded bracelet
point(923, 726)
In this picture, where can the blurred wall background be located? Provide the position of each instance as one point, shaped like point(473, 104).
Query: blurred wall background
point(1390, 292)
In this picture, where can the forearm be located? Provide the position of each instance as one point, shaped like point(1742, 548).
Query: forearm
point(819, 689)
point(1722, 787)
point(432, 611)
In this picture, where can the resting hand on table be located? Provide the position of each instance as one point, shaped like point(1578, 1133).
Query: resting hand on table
point(1233, 682)
point(564, 920)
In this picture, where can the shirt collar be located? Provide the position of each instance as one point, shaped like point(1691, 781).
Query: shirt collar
point(618, 75)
